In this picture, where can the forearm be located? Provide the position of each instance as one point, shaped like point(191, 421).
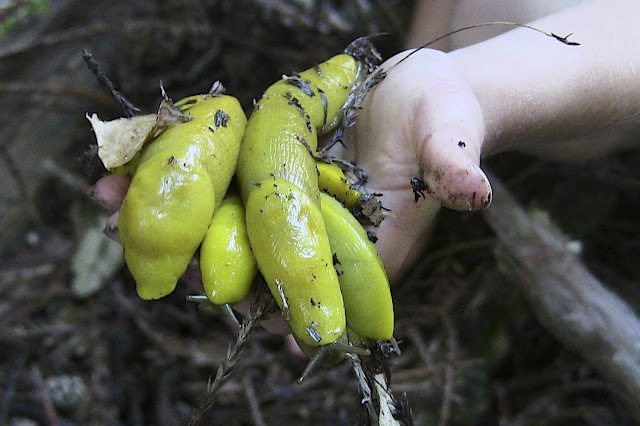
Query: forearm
point(533, 88)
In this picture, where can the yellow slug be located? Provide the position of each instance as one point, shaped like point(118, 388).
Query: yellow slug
point(227, 263)
point(180, 178)
point(279, 184)
point(363, 280)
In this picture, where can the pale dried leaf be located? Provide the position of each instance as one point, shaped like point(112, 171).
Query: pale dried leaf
point(385, 416)
point(119, 140)
point(95, 261)
point(217, 88)
point(169, 115)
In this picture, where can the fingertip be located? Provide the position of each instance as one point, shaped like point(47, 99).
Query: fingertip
point(459, 187)
point(111, 228)
point(109, 191)
point(486, 194)
point(448, 127)
point(449, 161)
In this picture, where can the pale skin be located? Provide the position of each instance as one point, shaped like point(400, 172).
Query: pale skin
point(521, 91)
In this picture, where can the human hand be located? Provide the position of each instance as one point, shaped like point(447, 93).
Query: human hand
point(109, 192)
point(422, 121)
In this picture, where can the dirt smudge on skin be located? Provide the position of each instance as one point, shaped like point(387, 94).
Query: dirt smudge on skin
point(465, 189)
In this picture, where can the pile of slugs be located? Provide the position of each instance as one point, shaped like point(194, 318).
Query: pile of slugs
point(258, 196)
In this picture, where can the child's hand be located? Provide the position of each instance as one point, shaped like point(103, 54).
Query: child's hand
point(422, 121)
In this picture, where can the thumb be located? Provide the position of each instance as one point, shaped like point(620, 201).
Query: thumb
point(448, 132)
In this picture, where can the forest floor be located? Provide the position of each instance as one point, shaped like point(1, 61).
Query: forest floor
point(472, 349)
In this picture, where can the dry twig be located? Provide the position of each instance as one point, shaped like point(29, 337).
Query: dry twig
point(52, 39)
point(373, 376)
point(20, 182)
point(449, 378)
point(47, 405)
point(567, 298)
point(252, 398)
point(52, 90)
point(128, 109)
point(262, 305)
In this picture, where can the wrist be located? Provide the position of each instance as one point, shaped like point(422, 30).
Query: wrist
point(535, 89)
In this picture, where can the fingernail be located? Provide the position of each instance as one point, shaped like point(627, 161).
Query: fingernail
point(485, 199)
point(93, 194)
point(466, 189)
point(112, 232)
point(111, 229)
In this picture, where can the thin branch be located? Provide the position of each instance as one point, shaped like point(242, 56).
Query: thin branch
point(21, 183)
point(53, 39)
point(19, 87)
point(69, 179)
point(564, 40)
point(387, 404)
point(449, 377)
point(422, 373)
point(416, 337)
point(365, 389)
point(252, 398)
point(10, 386)
point(262, 305)
point(128, 109)
point(566, 297)
point(41, 391)
point(373, 377)
point(14, 171)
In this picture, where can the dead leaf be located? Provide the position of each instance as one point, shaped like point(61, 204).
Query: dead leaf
point(119, 140)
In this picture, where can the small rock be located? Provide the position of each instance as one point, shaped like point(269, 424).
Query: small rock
point(66, 392)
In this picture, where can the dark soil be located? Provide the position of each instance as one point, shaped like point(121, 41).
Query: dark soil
point(473, 353)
